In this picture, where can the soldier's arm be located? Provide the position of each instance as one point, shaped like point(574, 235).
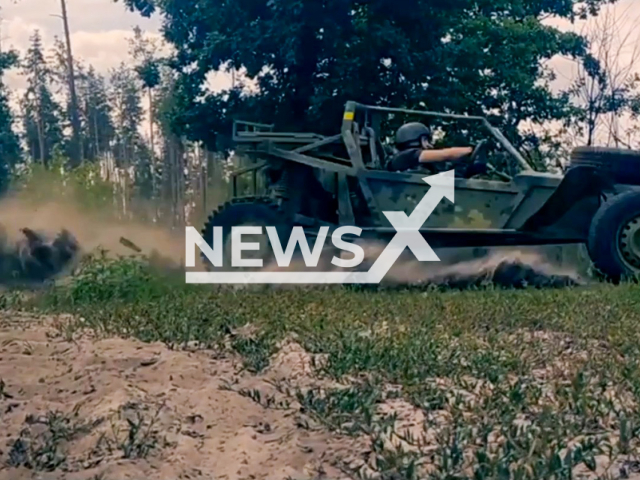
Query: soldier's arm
point(445, 154)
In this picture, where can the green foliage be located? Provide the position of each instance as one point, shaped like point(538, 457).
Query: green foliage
point(130, 150)
point(308, 58)
point(41, 445)
point(140, 438)
point(128, 113)
point(606, 84)
point(149, 73)
point(83, 187)
point(103, 280)
point(8, 60)
point(95, 112)
point(59, 71)
point(145, 53)
point(41, 113)
point(154, 177)
point(10, 153)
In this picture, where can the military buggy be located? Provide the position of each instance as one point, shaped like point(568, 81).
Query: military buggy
point(309, 180)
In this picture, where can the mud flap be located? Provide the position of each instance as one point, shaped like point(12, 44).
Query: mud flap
point(578, 183)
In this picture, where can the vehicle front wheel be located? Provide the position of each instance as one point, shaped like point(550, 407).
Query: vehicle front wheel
point(614, 237)
point(251, 212)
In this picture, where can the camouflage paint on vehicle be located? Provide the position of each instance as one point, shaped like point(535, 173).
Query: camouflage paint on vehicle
point(479, 203)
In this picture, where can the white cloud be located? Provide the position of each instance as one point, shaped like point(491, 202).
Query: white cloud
point(102, 44)
point(100, 32)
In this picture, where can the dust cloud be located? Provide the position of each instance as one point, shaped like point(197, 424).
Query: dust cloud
point(467, 268)
point(36, 258)
point(41, 240)
point(499, 267)
point(45, 239)
point(92, 230)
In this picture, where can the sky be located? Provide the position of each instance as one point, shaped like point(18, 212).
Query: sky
point(100, 30)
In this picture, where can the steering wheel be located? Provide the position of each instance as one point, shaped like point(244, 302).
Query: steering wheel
point(479, 150)
point(478, 162)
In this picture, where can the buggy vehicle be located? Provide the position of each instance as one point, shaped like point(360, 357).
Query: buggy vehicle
point(310, 180)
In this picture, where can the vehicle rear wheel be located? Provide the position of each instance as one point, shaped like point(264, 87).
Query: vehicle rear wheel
point(251, 212)
point(614, 237)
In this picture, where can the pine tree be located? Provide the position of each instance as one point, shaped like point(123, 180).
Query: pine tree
point(171, 174)
point(130, 150)
point(127, 113)
point(98, 130)
point(9, 141)
point(41, 114)
point(144, 52)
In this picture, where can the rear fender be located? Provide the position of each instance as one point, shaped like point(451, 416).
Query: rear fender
point(579, 193)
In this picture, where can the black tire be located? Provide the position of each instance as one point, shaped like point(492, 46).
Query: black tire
point(611, 244)
point(620, 165)
point(256, 211)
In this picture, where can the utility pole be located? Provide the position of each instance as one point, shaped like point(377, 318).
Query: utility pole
point(75, 120)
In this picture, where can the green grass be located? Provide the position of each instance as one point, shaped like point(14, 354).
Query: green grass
point(532, 383)
point(43, 449)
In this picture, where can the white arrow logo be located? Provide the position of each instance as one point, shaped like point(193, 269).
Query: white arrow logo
point(408, 236)
point(408, 228)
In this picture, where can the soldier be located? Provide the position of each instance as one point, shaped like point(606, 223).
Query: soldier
point(413, 141)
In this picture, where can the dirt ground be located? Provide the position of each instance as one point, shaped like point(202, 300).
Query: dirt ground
point(85, 408)
point(119, 409)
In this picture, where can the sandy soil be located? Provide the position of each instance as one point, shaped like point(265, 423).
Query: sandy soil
point(114, 409)
point(193, 428)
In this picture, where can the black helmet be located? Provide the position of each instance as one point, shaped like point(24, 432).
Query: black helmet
point(410, 134)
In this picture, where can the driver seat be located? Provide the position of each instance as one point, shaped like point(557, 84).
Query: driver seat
point(377, 153)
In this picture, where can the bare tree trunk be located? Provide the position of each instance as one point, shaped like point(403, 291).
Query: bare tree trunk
point(151, 120)
point(41, 140)
point(204, 177)
point(98, 152)
point(172, 182)
point(176, 182)
point(179, 182)
point(1, 38)
point(152, 161)
point(172, 191)
point(76, 150)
